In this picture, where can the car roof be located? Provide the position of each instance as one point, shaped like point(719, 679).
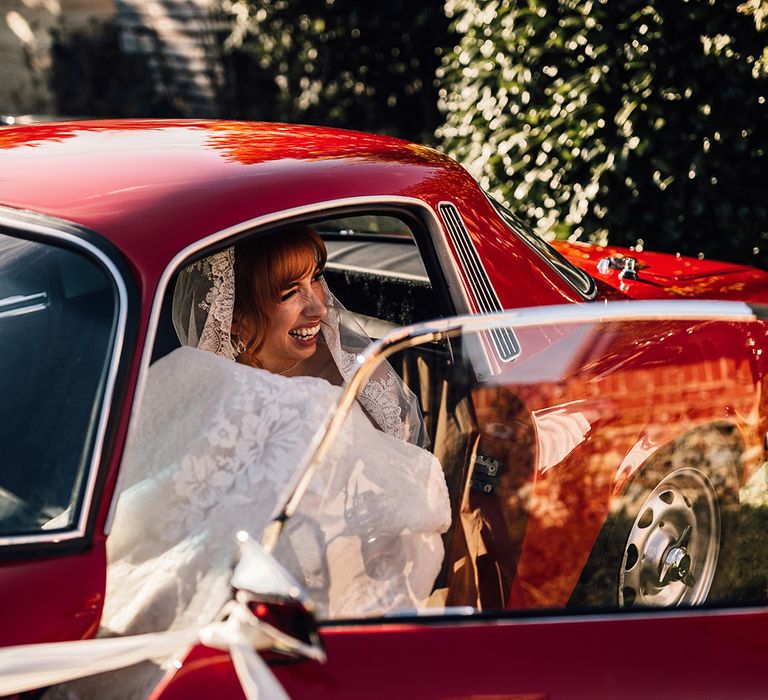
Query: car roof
point(161, 185)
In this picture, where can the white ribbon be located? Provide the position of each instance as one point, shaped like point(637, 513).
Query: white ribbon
point(39, 665)
point(33, 666)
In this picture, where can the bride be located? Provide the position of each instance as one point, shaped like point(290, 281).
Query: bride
point(218, 443)
point(265, 303)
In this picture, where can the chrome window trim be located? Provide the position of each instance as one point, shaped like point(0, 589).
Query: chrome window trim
point(545, 616)
point(608, 311)
point(10, 219)
point(330, 265)
point(430, 222)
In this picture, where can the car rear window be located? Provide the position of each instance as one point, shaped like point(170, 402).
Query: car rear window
point(57, 318)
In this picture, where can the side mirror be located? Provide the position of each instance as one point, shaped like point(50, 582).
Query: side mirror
point(277, 600)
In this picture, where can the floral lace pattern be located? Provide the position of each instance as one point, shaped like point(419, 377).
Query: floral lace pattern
point(205, 292)
point(366, 537)
point(387, 401)
point(216, 448)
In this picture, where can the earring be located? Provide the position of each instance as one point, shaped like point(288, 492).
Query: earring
point(237, 344)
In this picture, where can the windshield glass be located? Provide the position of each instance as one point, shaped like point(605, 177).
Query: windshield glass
point(577, 278)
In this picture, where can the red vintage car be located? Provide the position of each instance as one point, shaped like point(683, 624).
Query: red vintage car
point(602, 444)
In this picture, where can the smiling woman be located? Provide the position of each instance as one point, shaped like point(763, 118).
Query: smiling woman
point(264, 303)
point(280, 302)
point(221, 437)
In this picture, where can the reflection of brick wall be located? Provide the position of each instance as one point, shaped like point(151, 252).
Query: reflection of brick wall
point(582, 448)
point(646, 399)
point(25, 41)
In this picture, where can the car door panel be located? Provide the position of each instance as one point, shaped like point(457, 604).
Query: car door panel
point(688, 655)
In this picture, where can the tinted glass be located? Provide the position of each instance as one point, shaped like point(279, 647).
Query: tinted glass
point(57, 313)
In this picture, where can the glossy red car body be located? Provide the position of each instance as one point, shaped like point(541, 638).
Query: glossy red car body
point(153, 190)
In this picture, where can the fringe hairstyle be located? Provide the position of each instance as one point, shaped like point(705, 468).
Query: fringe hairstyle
point(264, 267)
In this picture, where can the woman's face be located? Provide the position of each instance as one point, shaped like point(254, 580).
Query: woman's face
point(294, 324)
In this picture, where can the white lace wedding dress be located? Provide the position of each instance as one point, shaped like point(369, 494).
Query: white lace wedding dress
point(216, 450)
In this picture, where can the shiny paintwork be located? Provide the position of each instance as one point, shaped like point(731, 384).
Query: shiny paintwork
point(153, 189)
point(662, 276)
point(567, 658)
point(674, 379)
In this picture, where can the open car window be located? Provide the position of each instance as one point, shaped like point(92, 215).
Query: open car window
point(616, 464)
point(376, 269)
point(57, 322)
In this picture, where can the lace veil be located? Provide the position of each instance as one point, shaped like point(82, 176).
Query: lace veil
point(203, 307)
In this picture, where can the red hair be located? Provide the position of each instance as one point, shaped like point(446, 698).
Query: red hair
point(264, 267)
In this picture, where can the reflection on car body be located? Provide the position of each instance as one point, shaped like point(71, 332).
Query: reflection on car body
point(598, 461)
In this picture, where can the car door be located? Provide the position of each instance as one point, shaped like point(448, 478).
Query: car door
point(63, 317)
point(594, 488)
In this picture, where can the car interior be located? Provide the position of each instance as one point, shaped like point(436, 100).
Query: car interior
point(377, 270)
point(56, 324)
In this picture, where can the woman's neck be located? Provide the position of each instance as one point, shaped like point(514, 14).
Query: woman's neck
point(321, 365)
point(288, 371)
point(284, 369)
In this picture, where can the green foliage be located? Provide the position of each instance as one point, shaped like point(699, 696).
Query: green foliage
point(757, 8)
point(339, 63)
point(616, 120)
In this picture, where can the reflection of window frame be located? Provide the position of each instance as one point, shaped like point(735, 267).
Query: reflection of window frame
point(79, 241)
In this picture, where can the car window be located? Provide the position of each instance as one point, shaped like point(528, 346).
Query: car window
point(376, 269)
point(614, 465)
point(57, 314)
point(577, 278)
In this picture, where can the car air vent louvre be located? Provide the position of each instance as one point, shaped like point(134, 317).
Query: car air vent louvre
point(504, 339)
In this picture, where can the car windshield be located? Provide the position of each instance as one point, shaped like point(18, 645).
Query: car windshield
point(577, 278)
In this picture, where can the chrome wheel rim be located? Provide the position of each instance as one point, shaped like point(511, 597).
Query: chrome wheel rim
point(670, 556)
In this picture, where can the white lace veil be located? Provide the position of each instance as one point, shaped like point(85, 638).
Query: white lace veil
point(215, 448)
point(203, 307)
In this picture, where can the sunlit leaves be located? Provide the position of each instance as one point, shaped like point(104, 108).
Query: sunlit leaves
point(622, 119)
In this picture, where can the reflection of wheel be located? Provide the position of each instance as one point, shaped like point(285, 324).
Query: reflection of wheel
point(673, 530)
point(670, 556)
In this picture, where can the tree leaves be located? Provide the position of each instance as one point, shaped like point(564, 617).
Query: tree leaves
point(332, 62)
point(622, 120)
